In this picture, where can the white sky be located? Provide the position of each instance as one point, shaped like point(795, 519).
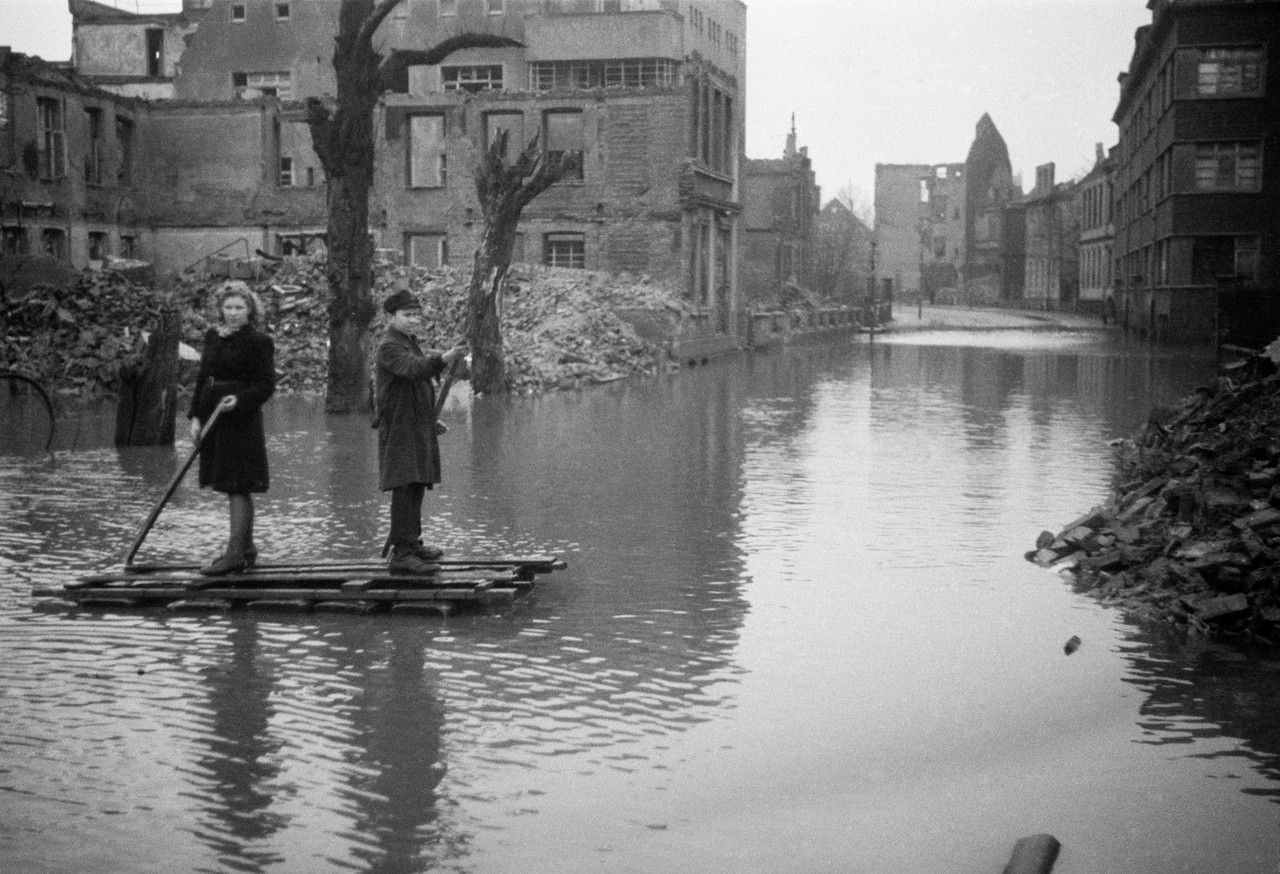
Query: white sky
point(874, 81)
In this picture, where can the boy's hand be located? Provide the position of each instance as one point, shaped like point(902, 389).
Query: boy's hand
point(455, 353)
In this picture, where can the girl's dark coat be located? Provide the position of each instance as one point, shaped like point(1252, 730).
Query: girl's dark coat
point(233, 456)
point(408, 451)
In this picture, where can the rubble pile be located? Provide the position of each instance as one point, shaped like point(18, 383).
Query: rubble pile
point(561, 327)
point(78, 338)
point(1192, 535)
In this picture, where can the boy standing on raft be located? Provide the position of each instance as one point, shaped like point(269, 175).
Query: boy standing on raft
point(408, 452)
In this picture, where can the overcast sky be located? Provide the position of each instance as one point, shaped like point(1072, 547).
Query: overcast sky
point(874, 81)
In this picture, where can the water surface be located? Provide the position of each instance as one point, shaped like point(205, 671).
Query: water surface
point(797, 634)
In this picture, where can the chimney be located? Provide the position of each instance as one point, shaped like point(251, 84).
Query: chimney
point(1099, 153)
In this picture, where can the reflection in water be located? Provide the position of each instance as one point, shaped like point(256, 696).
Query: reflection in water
point(795, 576)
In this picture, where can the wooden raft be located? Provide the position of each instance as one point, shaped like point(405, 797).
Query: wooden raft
point(356, 586)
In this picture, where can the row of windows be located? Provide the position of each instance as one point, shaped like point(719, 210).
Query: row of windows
point(620, 73)
point(276, 84)
point(1217, 167)
point(1096, 266)
point(558, 250)
point(51, 143)
point(427, 164)
point(1195, 74)
point(53, 242)
point(1212, 259)
point(239, 11)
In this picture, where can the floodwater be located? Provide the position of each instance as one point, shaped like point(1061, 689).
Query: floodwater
point(797, 634)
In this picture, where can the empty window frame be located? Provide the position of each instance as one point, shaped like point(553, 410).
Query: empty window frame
point(1215, 258)
point(16, 241)
point(237, 12)
point(124, 143)
point(94, 151)
point(282, 12)
point(53, 242)
point(562, 136)
point(97, 245)
point(617, 73)
point(471, 78)
point(564, 250)
point(427, 158)
point(51, 138)
point(279, 85)
point(155, 52)
point(426, 250)
point(510, 123)
point(1228, 166)
point(1229, 72)
point(286, 172)
point(128, 246)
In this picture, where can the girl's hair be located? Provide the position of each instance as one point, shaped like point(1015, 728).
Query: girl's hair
point(236, 288)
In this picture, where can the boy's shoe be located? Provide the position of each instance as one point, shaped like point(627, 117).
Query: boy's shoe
point(404, 560)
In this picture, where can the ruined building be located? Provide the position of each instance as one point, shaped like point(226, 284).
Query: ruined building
point(920, 229)
point(939, 226)
point(1197, 217)
point(69, 168)
point(649, 94)
point(989, 189)
point(780, 198)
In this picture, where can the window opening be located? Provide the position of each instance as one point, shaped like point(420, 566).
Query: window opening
point(237, 12)
point(472, 78)
point(562, 136)
point(94, 153)
point(286, 172)
point(426, 250)
point(282, 12)
point(51, 141)
point(155, 52)
point(1228, 166)
point(427, 157)
point(564, 250)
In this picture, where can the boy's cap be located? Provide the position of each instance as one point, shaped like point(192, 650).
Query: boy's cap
point(400, 300)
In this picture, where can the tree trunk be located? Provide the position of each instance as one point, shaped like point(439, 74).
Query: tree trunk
point(149, 389)
point(351, 306)
point(504, 190)
point(343, 140)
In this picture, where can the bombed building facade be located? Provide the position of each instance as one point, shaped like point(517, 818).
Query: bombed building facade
point(647, 94)
point(781, 199)
point(70, 155)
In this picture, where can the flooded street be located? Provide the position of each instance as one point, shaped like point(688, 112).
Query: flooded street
point(796, 634)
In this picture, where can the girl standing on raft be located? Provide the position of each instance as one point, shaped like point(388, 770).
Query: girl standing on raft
point(237, 363)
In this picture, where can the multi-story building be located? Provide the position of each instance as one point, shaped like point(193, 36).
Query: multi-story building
point(1051, 272)
point(647, 94)
point(938, 226)
point(69, 160)
point(1197, 192)
point(920, 228)
point(780, 199)
point(131, 53)
point(1097, 236)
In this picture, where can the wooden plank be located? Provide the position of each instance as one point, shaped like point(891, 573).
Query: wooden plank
point(545, 563)
point(206, 605)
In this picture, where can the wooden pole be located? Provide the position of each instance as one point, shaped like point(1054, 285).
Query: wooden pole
point(173, 485)
point(149, 389)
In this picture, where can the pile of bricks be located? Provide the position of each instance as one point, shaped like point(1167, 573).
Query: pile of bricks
point(1192, 536)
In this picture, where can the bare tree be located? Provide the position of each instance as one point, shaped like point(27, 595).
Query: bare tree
point(343, 140)
point(504, 190)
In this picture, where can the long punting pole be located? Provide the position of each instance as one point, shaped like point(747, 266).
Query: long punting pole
point(173, 486)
